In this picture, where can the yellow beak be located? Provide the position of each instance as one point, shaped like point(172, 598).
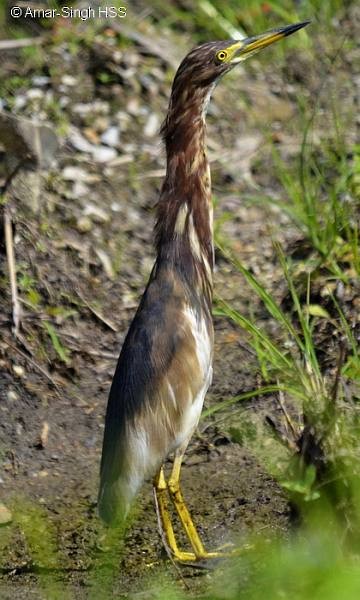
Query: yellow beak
point(239, 50)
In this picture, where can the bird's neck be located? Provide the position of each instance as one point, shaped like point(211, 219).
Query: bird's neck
point(184, 230)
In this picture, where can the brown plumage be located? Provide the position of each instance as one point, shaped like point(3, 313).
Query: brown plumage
point(164, 368)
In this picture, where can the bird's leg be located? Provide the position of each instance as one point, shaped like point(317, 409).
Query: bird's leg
point(184, 515)
point(165, 525)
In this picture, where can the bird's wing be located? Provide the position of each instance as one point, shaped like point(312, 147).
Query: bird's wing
point(157, 376)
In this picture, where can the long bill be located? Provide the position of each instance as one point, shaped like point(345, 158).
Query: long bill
point(241, 49)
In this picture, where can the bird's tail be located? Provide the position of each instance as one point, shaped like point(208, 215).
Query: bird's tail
point(124, 466)
point(113, 502)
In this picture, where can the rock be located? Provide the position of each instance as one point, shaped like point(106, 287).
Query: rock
point(99, 153)
point(91, 135)
point(19, 102)
point(84, 224)
point(133, 107)
point(111, 137)
point(80, 189)
point(19, 370)
point(26, 187)
point(12, 396)
point(106, 262)
point(101, 123)
point(71, 173)
point(78, 141)
point(123, 119)
point(69, 80)
point(64, 101)
point(82, 108)
point(40, 80)
point(103, 154)
point(94, 114)
point(152, 126)
point(97, 214)
point(5, 515)
point(28, 140)
point(35, 94)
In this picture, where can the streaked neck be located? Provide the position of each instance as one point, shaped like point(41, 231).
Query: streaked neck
point(184, 216)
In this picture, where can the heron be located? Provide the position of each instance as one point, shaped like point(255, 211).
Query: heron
point(165, 364)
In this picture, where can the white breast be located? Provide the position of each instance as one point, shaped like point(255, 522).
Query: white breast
point(203, 344)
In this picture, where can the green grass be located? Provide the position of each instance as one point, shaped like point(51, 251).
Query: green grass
point(319, 196)
point(215, 19)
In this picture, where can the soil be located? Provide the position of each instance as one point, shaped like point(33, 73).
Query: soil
point(83, 257)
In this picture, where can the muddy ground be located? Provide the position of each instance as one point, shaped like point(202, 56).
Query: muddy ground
point(83, 249)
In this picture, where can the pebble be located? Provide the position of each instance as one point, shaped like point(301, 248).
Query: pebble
point(34, 94)
point(19, 370)
point(123, 119)
point(69, 80)
point(148, 84)
point(100, 154)
point(71, 173)
point(19, 102)
point(128, 73)
point(91, 135)
point(101, 123)
point(80, 189)
point(99, 107)
point(12, 396)
point(111, 137)
point(96, 213)
point(81, 108)
point(5, 515)
point(64, 101)
point(117, 57)
point(133, 107)
point(78, 141)
point(40, 80)
point(132, 59)
point(103, 154)
point(152, 125)
point(84, 224)
point(106, 263)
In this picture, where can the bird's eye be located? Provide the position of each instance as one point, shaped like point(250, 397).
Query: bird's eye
point(221, 55)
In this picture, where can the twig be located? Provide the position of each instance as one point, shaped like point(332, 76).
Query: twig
point(96, 313)
point(284, 440)
point(22, 43)
point(289, 422)
point(36, 366)
point(10, 254)
point(340, 362)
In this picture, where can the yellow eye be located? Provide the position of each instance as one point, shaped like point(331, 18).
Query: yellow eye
point(222, 55)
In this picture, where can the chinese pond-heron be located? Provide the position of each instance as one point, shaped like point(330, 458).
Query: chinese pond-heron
point(165, 365)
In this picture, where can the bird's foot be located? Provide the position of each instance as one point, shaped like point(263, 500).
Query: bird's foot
point(207, 559)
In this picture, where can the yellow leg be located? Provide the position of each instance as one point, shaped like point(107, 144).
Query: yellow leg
point(165, 525)
point(184, 515)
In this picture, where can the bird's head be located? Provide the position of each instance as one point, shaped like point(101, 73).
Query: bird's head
point(205, 64)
